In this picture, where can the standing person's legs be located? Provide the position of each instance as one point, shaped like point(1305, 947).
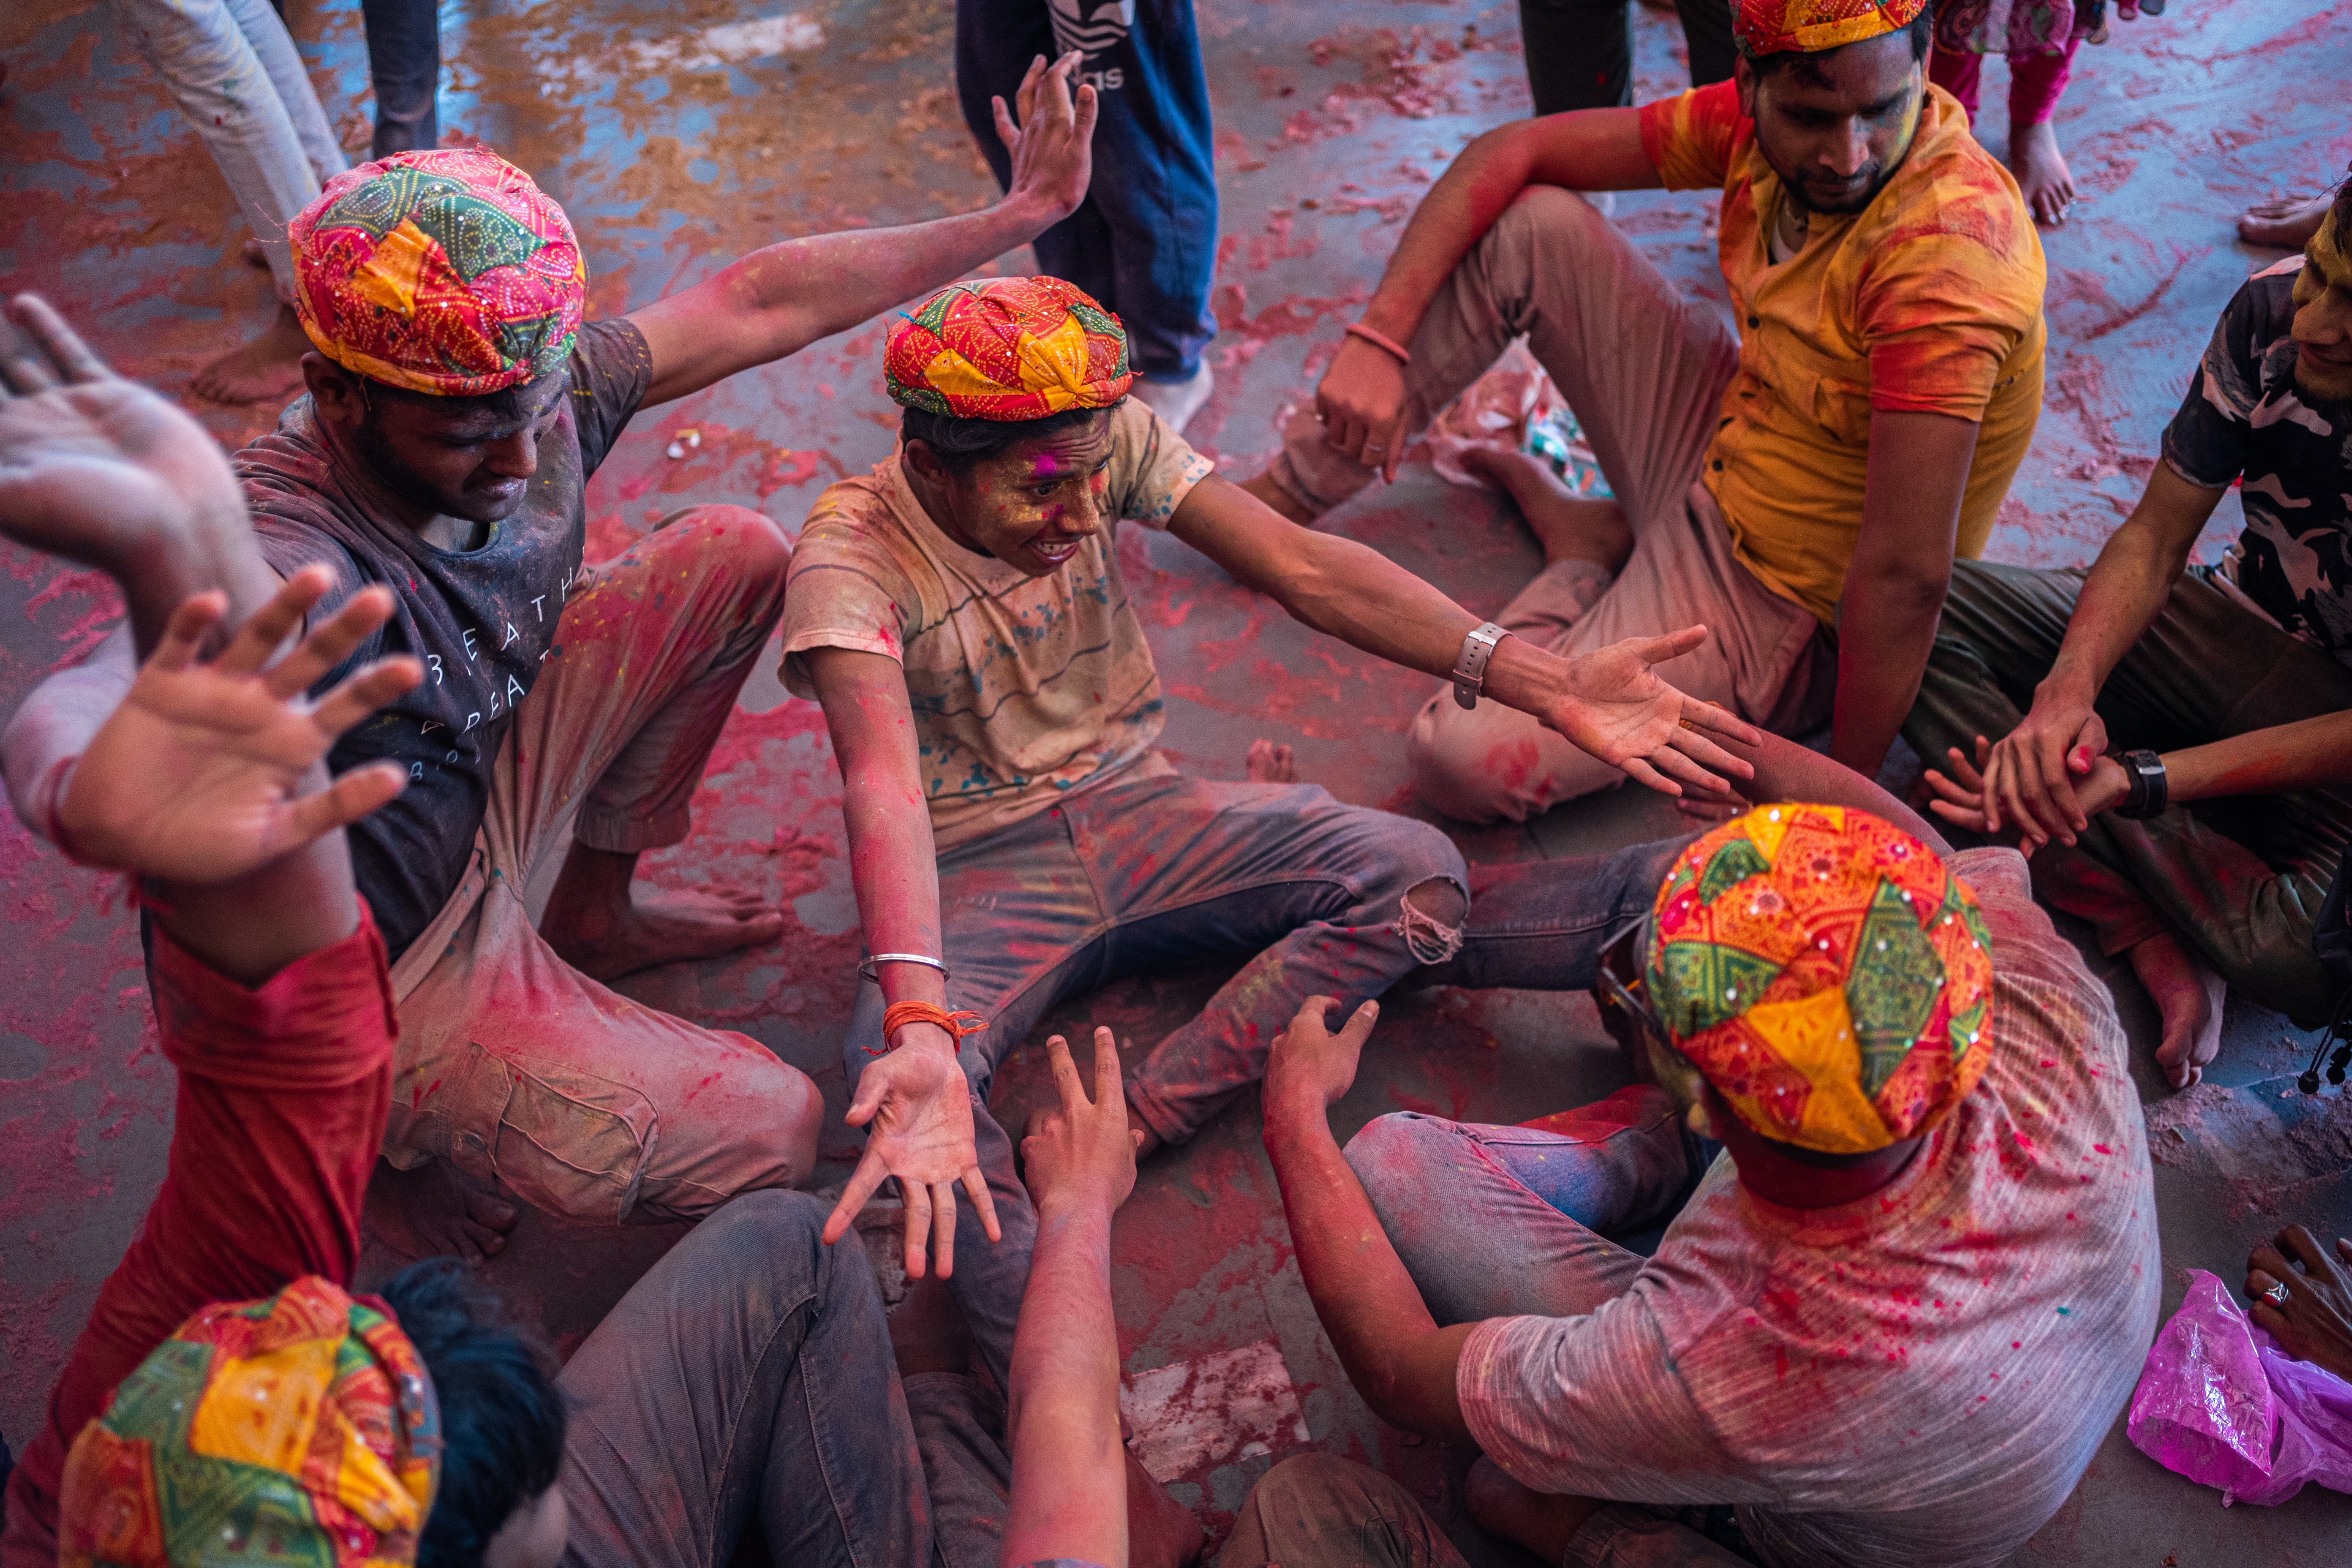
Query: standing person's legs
point(1707, 35)
point(265, 29)
point(404, 42)
point(2035, 84)
point(513, 1064)
point(745, 1382)
point(994, 42)
point(1579, 53)
point(1959, 72)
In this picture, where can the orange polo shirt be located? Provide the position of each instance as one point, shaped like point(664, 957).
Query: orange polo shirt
point(1928, 300)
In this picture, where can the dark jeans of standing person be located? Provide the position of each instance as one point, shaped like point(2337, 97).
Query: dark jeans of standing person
point(1580, 52)
point(404, 41)
point(1144, 242)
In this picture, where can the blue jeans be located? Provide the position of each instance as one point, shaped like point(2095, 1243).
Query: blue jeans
point(1144, 242)
point(746, 1380)
point(1147, 874)
point(404, 42)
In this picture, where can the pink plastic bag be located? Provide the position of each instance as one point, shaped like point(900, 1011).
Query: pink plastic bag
point(2219, 1402)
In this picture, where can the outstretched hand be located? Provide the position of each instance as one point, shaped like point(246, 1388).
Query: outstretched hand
point(1614, 705)
point(196, 775)
point(919, 1104)
point(1082, 1150)
point(1052, 141)
point(2314, 1322)
point(1309, 1067)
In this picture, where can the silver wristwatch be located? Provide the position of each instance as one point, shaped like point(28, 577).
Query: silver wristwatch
point(1470, 670)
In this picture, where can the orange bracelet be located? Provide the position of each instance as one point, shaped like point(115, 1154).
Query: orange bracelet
point(1380, 340)
point(899, 1014)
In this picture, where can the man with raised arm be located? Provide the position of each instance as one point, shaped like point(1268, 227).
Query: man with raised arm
point(1899, 1312)
point(1798, 483)
point(1014, 835)
point(457, 405)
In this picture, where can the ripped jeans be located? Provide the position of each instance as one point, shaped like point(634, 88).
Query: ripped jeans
point(1150, 873)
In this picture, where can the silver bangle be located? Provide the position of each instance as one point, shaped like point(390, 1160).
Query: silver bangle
point(1470, 670)
point(871, 969)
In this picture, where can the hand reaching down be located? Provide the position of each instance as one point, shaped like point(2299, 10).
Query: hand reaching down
point(1052, 142)
point(918, 1103)
point(1309, 1067)
point(1965, 798)
point(2314, 1322)
point(1082, 1150)
point(1614, 705)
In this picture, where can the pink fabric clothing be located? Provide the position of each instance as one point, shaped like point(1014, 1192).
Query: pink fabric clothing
point(2036, 82)
point(282, 1095)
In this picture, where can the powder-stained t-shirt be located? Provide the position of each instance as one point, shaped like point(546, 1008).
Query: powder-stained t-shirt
point(480, 621)
point(1928, 301)
point(2245, 420)
point(1918, 1377)
point(1023, 688)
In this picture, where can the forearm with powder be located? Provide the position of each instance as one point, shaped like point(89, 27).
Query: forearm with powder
point(1063, 1419)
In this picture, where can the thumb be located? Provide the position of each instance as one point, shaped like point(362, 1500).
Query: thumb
point(1674, 645)
point(868, 1099)
point(1360, 1026)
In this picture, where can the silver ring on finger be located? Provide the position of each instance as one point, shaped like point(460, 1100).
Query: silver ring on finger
point(2277, 1293)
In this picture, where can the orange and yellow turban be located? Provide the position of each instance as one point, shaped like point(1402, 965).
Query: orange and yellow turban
point(1007, 349)
point(297, 1429)
point(446, 272)
point(1827, 973)
point(1809, 27)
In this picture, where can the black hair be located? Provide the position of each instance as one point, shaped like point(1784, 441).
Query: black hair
point(962, 444)
point(502, 1418)
point(1808, 65)
point(2340, 212)
point(507, 406)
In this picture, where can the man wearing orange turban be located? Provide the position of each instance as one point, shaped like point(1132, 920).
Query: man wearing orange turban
point(1815, 463)
point(459, 399)
point(1891, 1322)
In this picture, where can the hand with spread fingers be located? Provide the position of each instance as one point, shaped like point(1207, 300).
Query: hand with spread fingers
point(1082, 1150)
point(918, 1104)
point(2303, 1297)
point(1965, 796)
point(1052, 139)
point(1309, 1067)
point(1614, 705)
point(196, 776)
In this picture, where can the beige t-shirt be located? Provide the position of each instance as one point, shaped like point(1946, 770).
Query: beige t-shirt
point(1023, 687)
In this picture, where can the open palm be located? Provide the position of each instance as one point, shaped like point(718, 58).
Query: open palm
point(200, 773)
point(1617, 707)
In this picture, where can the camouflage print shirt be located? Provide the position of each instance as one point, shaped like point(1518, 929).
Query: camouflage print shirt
point(2243, 420)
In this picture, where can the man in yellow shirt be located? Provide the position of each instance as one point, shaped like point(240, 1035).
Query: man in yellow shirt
point(1801, 487)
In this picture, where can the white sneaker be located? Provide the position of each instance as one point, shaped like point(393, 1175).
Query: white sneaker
point(1176, 401)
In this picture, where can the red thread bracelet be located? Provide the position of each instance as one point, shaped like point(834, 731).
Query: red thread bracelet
point(899, 1014)
point(1380, 340)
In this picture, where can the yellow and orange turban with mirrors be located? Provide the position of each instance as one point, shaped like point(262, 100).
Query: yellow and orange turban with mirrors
point(1826, 973)
point(301, 1429)
point(1007, 349)
point(1809, 27)
point(447, 272)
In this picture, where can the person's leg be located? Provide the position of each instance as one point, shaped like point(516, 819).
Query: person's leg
point(265, 29)
point(1317, 1510)
point(746, 1380)
point(1959, 72)
point(995, 40)
point(959, 1424)
point(1579, 53)
point(2035, 84)
point(1707, 35)
point(404, 42)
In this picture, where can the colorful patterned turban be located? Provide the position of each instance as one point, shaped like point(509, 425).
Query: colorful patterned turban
point(1826, 973)
point(444, 272)
point(1007, 349)
point(299, 1430)
point(1809, 27)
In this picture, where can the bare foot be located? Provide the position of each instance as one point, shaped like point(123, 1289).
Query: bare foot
point(605, 928)
point(1278, 501)
point(2189, 995)
point(2042, 172)
point(1270, 763)
point(1569, 527)
point(2286, 223)
point(1544, 1525)
point(436, 1211)
point(269, 367)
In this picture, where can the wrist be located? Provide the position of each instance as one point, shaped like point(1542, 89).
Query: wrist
point(1391, 320)
point(1077, 1202)
point(2066, 688)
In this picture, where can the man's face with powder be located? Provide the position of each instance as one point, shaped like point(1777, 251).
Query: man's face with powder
point(1030, 506)
point(467, 457)
point(2323, 314)
point(1835, 126)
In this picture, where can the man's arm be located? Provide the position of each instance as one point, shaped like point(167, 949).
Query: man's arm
point(778, 301)
point(1609, 702)
point(916, 1096)
point(1362, 396)
point(1395, 1352)
point(1895, 586)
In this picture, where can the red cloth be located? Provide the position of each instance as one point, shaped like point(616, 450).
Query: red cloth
point(283, 1096)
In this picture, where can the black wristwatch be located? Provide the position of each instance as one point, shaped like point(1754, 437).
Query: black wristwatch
point(2149, 793)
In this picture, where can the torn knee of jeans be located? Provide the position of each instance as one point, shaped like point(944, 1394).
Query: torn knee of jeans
point(1429, 919)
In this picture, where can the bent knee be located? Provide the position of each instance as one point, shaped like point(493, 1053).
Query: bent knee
point(1454, 770)
point(1399, 1154)
point(751, 543)
point(1548, 214)
point(771, 1222)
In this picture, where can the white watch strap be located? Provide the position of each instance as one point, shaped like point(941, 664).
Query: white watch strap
point(1470, 670)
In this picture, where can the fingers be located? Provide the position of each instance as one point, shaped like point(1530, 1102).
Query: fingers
point(24, 370)
point(1007, 131)
point(1675, 762)
point(186, 630)
point(1358, 1027)
point(1713, 718)
point(268, 627)
point(2264, 1259)
point(918, 1233)
point(1703, 753)
point(1393, 445)
point(943, 1228)
point(862, 1182)
point(1065, 1076)
point(2304, 1247)
point(61, 343)
point(340, 804)
point(364, 693)
point(1314, 1012)
point(975, 1186)
point(1090, 107)
point(1643, 773)
point(330, 644)
point(1025, 97)
point(1109, 1091)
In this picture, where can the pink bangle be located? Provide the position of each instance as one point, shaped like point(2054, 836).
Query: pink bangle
point(49, 806)
point(1380, 340)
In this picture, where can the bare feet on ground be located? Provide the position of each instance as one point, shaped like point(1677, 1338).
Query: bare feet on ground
point(1270, 763)
point(2042, 172)
point(1278, 500)
point(1569, 527)
point(269, 367)
point(2285, 222)
point(1501, 1507)
point(436, 1211)
point(603, 925)
point(2189, 997)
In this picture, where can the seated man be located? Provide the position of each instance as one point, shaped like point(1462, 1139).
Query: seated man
point(1891, 1325)
point(2226, 686)
point(457, 407)
point(1014, 837)
point(1820, 470)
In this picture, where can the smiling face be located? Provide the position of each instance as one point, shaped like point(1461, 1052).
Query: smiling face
point(1835, 126)
point(1031, 505)
point(2323, 313)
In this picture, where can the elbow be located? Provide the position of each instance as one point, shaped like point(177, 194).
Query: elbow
point(1898, 594)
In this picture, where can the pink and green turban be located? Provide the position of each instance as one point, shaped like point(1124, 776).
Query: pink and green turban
point(1007, 349)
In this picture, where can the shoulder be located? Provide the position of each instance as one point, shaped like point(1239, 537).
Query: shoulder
point(612, 350)
point(1695, 138)
point(1954, 209)
point(1152, 468)
point(854, 536)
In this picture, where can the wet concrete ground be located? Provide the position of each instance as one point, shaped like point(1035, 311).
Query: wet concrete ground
point(675, 149)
